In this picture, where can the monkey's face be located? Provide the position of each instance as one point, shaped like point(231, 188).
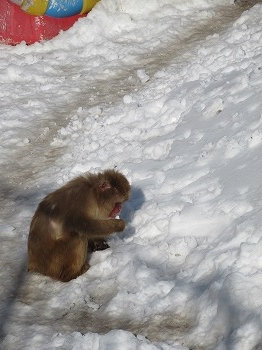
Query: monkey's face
point(113, 190)
point(110, 201)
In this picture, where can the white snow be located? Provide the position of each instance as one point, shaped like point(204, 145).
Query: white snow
point(169, 92)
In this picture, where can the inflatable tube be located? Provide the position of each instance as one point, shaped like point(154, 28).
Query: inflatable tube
point(56, 8)
point(16, 25)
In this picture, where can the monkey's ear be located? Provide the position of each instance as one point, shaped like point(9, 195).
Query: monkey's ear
point(104, 185)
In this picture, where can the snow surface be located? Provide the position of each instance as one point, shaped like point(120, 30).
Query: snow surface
point(169, 92)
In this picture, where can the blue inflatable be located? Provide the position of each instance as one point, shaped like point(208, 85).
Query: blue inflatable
point(56, 8)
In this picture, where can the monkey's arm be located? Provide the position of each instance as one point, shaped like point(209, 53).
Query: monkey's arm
point(93, 228)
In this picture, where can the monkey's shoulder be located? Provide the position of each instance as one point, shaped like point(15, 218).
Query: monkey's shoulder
point(73, 197)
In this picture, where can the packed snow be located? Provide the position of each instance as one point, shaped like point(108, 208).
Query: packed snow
point(169, 93)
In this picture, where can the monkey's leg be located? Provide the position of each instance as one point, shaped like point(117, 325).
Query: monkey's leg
point(67, 274)
point(69, 258)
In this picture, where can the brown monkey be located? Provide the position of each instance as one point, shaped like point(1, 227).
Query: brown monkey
point(84, 209)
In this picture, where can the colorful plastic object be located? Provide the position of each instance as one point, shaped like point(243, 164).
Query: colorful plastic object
point(56, 8)
point(17, 25)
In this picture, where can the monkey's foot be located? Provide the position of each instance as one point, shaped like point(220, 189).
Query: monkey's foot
point(97, 245)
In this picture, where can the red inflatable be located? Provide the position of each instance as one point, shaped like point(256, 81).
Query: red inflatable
point(17, 26)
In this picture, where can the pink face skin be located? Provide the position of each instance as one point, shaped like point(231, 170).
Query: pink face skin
point(115, 211)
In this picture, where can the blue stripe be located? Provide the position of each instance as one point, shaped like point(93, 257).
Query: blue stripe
point(63, 8)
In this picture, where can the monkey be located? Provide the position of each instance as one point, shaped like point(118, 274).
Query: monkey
point(83, 210)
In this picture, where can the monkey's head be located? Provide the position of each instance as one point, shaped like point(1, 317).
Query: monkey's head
point(112, 190)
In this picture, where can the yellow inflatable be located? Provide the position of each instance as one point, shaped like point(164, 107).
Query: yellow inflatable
point(56, 8)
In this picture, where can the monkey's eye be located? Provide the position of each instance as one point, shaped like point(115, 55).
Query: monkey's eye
point(105, 185)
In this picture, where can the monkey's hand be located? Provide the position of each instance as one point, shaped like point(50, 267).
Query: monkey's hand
point(119, 225)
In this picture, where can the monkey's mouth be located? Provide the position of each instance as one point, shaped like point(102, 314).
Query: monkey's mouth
point(116, 210)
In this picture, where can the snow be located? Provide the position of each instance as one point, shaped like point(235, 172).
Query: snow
point(169, 92)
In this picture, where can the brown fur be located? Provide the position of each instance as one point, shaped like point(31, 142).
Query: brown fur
point(69, 217)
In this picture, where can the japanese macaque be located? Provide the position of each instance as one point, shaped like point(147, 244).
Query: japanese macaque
point(83, 210)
